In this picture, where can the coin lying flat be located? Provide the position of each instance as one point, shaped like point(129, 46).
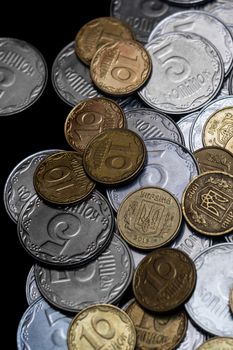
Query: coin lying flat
point(221, 9)
point(193, 338)
point(32, 291)
point(214, 158)
point(220, 343)
point(184, 124)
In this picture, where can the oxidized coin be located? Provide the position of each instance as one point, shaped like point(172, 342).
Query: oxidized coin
point(101, 326)
point(149, 218)
point(120, 68)
point(184, 124)
point(164, 279)
point(32, 291)
point(207, 203)
point(229, 145)
point(98, 32)
point(114, 156)
point(214, 158)
point(231, 299)
point(220, 343)
point(156, 331)
point(61, 179)
point(89, 118)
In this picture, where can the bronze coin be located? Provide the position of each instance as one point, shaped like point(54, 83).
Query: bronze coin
point(207, 203)
point(114, 156)
point(156, 331)
point(218, 343)
point(89, 118)
point(149, 218)
point(120, 68)
point(61, 179)
point(229, 145)
point(164, 279)
point(99, 32)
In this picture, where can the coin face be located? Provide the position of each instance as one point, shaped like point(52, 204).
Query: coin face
point(220, 343)
point(164, 280)
point(89, 118)
point(207, 203)
point(120, 68)
point(61, 179)
point(114, 156)
point(101, 326)
point(149, 218)
point(214, 158)
point(231, 300)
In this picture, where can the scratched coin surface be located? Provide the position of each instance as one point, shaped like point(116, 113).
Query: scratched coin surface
point(32, 291)
point(23, 75)
point(220, 343)
point(164, 280)
point(120, 68)
point(101, 326)
point(66, 235)
point(214, 158)
point(60, 178)
point(114, 156)
point(207, 203)
point(149, 218)
point(89, 118)
point(208, 307)
point(184, 124)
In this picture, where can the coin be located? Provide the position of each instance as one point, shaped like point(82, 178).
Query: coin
point(207, 203)
point(133, 102)
point(101, 326)
point(186, 2)
point(221, 9)
point(230, 83)
point(220, 343)
point(229, 145)
point(32, 291)
point(193, 338)
point(184, 124)
point(89, 118)
point(149, 218)
point(120, 68)
point(114, 156)
point(98, 32)
point(231, 299)
point(214, 158)
point(61, 179)
point(164, 279)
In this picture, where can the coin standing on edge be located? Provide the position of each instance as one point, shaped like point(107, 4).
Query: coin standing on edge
point(214, 159)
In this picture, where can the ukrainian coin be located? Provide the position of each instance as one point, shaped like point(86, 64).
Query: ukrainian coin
point(230, 83)
point(138, 255)
point(150, 124)
point(193, 338)
point(214, 158)
point(101, 281)
point(114, 156)
point(220, 343)
point(60, 178)
point(209, 305)
point(207, 203)
point(133, 102)
point(66, 235)
point(229, 145)
point(101, 326)
point(229, 238)
point(221, 9)
point(224, 91)
point(164, 280)
point(23, 75)
point(149, 218)
point(32, 291)
point(120, 68)
point(19, 184)
point(187, 2)
point(156, 331)
point(42, 327)
point(89, 118)
point(163, 156)
point(184, 124)
point(231, 299)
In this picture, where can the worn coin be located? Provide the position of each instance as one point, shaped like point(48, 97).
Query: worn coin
point(214, 158)
point(220, 343)
point(184, 124)
point(32, 291)
point(229, 145)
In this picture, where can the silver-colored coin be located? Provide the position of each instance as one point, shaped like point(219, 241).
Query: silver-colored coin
point(199, 122)
point(32, 291)
point(201, 23)
point(19, 184)
point(23, 75)
point(134, 102)
point(101, 281)
point(66, 235)
point(169, 165)
point(187, 2)
point(229, 238)
point(209, 304)
point(150, 124)
point(193, 338)
point(187, 73)
point(222, 9)
point(42, 327)
point(224, 89)
point(137, 255)
point(230, 83)
point(185, 124)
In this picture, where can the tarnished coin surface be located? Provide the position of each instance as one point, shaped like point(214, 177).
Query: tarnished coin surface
point(184, 124)
point(214, 158)
point(32, 291)
point(220, 343)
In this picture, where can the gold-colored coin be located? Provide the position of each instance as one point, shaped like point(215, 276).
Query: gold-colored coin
point(60, 178)
point(156, 331)
point(218, 343)
point(89, 118)
point(120, 68)
point(149, 218)
point(114, 156)
point(207, 203)
point(101, 327)
point(99, 32)
point(231, 300)
point(164, 279)
point(214, 158)
point(229, 145)
point(218, 129)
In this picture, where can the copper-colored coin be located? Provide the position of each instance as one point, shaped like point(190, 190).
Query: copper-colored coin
point(99, 32)
point(229, 145)
point(149, 218)
point(89, 118)
point(114, 156)
point(207, 203)
point(61, 179)
point(231, 300)
point(214, 158)
point(218, 343)
point(120, 68)
point(156, 331)
point(101, 327)
point(164, 279)
point(218, 129)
